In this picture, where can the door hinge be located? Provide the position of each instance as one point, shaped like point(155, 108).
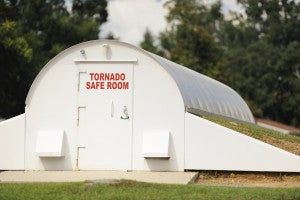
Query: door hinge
point(78, 83)
point(77, 157)
point(78, 113)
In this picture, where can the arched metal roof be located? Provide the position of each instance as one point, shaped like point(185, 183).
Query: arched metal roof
point(201, 94)
point(204, 95)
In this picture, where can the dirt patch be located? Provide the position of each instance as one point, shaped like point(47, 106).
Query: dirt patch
point(249, 179)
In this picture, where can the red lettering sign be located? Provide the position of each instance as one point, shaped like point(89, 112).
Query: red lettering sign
point(110, 81)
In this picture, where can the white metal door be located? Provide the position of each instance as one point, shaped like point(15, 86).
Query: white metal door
point(105, 116)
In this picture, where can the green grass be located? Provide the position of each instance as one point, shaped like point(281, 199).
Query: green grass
point(287, 142)
point(137, 190)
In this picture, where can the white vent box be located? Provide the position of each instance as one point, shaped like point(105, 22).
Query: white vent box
point(50, 143)
point(156, 144)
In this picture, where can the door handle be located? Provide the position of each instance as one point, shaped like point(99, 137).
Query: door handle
point(112, 109)
point(125, 113)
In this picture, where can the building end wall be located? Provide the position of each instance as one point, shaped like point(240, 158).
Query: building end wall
point(12, 135)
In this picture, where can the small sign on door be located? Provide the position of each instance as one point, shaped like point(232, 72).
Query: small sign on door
point(110, 81)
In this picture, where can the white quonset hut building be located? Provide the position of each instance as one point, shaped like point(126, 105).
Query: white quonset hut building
point(107, 105)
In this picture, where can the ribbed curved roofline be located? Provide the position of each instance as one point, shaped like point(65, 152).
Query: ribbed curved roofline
point(201, 94)
point(206, 96)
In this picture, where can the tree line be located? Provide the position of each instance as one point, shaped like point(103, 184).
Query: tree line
point(33, 32)
point(257, 52)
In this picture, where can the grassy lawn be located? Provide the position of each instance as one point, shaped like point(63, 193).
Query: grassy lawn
point(289, 143)
point(137, 190)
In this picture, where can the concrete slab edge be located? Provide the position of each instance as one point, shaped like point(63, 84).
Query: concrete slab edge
point(194, 178)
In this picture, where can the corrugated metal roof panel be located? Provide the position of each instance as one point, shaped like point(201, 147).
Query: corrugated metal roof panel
point(205, 94)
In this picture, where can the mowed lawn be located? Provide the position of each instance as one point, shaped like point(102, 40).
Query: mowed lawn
point(137, 190)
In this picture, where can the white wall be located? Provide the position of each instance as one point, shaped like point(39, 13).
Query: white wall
point(53, 99)
point(209, 146)
point(158, 107)
point(54, 107)
point(12, 133)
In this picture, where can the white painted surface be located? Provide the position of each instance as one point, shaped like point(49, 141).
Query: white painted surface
point(50, 143)
point(156, 144)
point(105, 122)
point(12, 133)
point(54, 107)
point(156, 103)
point(210, 146)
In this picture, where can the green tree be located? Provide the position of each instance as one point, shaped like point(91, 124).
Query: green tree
point(190, 37)
point(43, 28)
point(91, 9)
point(261, 58)
point(50, 27)
point(148, 43)
point(14, 72)
point(257, 54)
point(276, 21)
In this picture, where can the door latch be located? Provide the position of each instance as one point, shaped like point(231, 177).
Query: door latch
point(125, 113)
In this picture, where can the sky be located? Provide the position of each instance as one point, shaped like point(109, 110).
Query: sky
point(128, 19)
